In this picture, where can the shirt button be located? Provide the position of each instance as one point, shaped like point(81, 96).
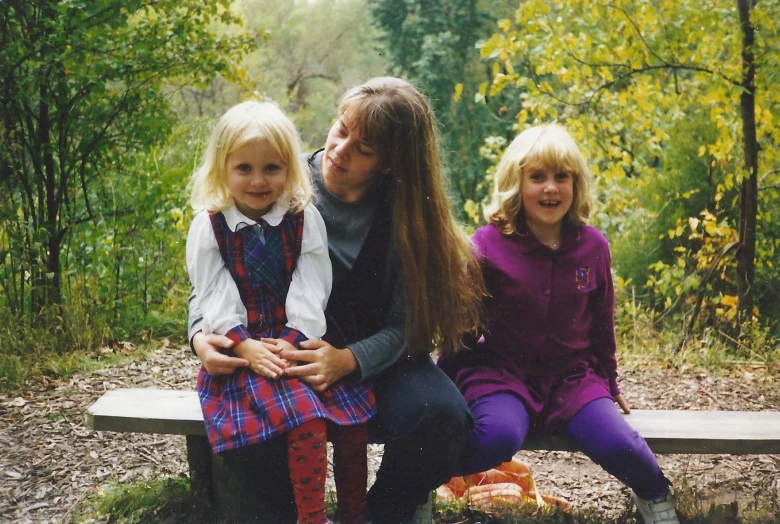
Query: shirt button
point(547, 292)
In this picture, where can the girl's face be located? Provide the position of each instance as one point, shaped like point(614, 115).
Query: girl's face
point(348, 163)
point(256, 177)
point(547, 197)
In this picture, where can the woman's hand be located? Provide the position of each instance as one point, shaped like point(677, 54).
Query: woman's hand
point(320, 365)
point(622, 403)
point(280, 345)
point(216, 363)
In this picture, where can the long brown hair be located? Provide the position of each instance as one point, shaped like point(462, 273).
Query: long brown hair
point(442, 300)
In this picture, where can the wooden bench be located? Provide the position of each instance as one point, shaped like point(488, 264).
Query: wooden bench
point(666, 431)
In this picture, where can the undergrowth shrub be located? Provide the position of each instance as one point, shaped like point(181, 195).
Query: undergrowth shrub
point(123, 274)
point(168, 501)
point(644, 334)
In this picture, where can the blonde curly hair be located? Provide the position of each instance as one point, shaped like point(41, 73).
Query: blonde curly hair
point(548, 145)
point(240, 124)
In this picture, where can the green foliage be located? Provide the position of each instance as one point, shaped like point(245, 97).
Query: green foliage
point(38, 366)
point(128, 266)
point(658, 199)
point(123, 276)
point(85, 92)
point(14, 371)
point(313, 53)
point(433, 45)
point(28, 351)
point(645, 337)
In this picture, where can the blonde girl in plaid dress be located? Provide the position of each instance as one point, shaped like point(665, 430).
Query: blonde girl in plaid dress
point(258, 261)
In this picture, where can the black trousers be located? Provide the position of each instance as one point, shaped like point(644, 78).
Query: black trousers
point(423, 422)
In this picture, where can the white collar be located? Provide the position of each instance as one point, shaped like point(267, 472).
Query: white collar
point(236, 220)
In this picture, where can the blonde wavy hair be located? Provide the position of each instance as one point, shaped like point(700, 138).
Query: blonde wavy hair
point(442, 300)
point(548, 145)
point(242, 123)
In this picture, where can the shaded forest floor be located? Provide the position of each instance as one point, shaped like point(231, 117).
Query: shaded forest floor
point(50, 462)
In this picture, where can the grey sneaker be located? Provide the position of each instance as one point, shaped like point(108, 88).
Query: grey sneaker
point(424, 513)
point(657, 511)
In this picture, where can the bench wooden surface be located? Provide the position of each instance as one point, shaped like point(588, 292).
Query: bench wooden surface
point(666, 431)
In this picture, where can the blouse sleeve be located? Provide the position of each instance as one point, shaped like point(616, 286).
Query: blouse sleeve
point(311, 282)
point(602, 331)
point(214, 292)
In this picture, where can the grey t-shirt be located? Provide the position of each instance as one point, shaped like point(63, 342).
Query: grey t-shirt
point(348, 224)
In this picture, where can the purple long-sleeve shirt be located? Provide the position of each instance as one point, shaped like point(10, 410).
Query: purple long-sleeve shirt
point(549, 330)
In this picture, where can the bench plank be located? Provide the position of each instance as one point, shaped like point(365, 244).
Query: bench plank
point(162, 411)
point(666, 431)
point(695, 432)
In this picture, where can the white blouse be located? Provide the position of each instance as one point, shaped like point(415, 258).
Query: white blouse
point(217, 293)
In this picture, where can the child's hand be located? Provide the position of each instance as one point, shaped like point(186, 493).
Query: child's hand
point(622, 403)
point(263, 358)
point(280, 345)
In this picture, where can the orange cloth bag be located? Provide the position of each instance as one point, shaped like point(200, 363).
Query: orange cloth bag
point(511, 482)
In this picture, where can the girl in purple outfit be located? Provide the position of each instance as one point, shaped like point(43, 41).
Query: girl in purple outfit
point(544, 361)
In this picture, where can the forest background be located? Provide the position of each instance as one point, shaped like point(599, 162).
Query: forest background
point(106, 106)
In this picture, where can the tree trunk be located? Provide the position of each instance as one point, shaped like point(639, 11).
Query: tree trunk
point(46, 169)
point(54, 270)
point(748, 208)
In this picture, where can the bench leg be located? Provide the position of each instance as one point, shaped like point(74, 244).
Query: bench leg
point(200, 461)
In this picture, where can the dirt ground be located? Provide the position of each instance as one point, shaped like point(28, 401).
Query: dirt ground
point(50, 461)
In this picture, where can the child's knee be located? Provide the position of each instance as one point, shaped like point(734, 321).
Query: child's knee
point(499, 441)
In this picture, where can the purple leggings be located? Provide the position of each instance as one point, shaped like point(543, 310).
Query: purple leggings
point(598, 429)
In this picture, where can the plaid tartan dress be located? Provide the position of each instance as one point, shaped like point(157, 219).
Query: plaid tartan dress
point(245, 408)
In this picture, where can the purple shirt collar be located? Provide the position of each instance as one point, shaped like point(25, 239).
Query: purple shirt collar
point(570, 237)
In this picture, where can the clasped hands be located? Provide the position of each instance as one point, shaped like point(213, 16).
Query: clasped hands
point(317, 363)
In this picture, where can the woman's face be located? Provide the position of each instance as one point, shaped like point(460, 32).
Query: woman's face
point(349, 164)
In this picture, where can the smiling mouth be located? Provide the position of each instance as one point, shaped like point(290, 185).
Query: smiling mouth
point(552, 204)
point(335, 166)
point(260, 195)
